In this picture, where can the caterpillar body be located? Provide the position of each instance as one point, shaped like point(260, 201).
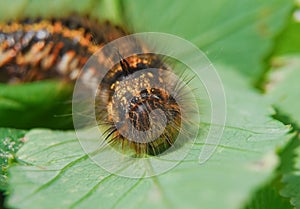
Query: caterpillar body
point(128, 97)
point(36, 49)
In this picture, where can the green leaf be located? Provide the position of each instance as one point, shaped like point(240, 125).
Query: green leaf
point(288, 41)
point(56, 173)
point(39, 104)
point(283, 86)
point(268, 197)
point(232, 32)
point(292, 182)
point(103, 9)
point(10, 142)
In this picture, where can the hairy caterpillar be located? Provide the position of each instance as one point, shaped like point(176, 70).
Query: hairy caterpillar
point(36, 49)
point(32, 50)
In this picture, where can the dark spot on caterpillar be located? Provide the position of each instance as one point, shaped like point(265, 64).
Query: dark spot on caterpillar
point(135, 103)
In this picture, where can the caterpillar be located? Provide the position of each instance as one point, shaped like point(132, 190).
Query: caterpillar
point(37, 49)
point(129, 102)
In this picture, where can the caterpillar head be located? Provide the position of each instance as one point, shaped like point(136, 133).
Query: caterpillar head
point(143, 108)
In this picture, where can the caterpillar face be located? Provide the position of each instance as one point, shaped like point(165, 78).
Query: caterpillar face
point(137, 100)
point(145, 115)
